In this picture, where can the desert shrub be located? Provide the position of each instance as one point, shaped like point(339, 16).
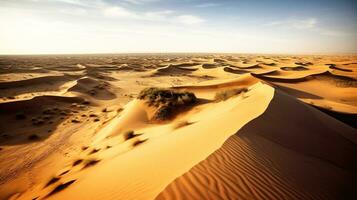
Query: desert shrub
point(224, 95)
point(91, 162)
point(181, 124)
point(20, 115)
point(129, 134)
point(167, 101)
point(75, 121)
point(37, 121)
point(164, 112)
point(33, 137)
point(161, 96)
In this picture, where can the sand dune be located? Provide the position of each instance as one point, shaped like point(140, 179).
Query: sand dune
point(34, 85)
point(259, 127)
point(147, 154)
point(175, 70)
point(95, 88)
point(263, 161)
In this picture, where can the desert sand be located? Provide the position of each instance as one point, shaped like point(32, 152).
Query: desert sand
point(221, 126)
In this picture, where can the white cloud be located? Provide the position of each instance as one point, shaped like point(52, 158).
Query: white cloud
point(335, 33)
point(305, 24)
point(119, 12)
point(308, 24)
point(206, 5)
point(74, 2)
point(189, 19)
point(157, 15)
point(140, 1)
point(78, 3)
point(165, 15)
point(73, 11)
point(295, 23)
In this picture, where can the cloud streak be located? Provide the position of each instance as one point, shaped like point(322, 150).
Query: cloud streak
point(308, 23)
point(163, 16)
point(207, 5)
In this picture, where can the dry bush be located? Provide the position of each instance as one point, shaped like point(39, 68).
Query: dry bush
point(167, 101)
point(224, 95)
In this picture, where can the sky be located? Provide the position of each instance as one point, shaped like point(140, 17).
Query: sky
point(141, 26)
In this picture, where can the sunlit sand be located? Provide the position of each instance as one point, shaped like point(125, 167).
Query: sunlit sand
point(213, 126)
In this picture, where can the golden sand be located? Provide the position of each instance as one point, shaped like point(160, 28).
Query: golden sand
point(72, 127)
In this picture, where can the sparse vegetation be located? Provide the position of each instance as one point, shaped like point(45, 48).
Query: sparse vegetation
point(77, 162)
point(181, 124)
point(224, 95)
point(48, 112)
point(86, 102)
point(93, 115)
point(52, 181)
point(138, 142)
point(94, 151)
point(75, 121)
point(61, 187)
point(33, 137)
point(167, 101)
point(20, 116)
point(91, 162)
point(155, 96)
point(130, 134)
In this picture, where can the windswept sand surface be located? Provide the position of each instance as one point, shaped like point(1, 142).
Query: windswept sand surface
point(263, 127)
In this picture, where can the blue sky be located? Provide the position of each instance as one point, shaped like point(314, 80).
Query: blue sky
point(241, 26)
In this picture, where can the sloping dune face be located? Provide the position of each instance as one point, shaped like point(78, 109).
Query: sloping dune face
point(196, 136)
point(266, 161)
point(210, 126)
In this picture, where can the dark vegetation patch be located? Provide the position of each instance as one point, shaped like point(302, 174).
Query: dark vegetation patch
point(130, 134)
point(91, 162)
point(77, 162)
point(61, 187)
point(52, 181)
point(20, 115)
point(93, 115)
point(75, 121)
point(167, 102)
point(226, 94)
point(138, 142)
point(85, 148)
point(94, 151)
point(65, 172)
point(181, 124)
point(33, 137)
